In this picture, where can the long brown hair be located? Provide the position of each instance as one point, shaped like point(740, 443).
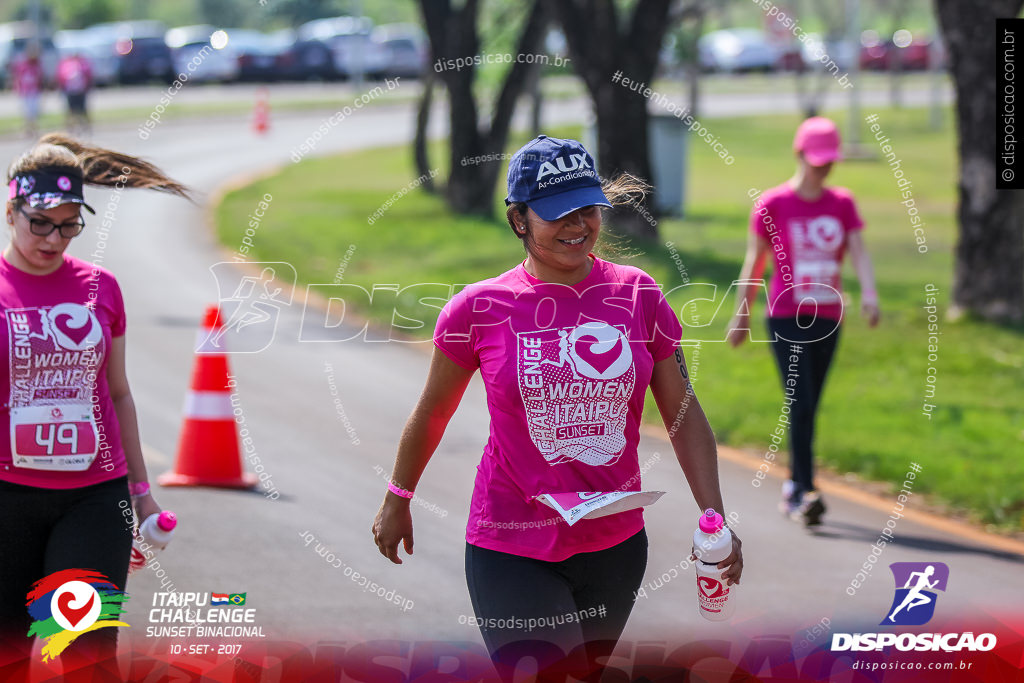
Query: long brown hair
point(99, 166)
point(622, 190)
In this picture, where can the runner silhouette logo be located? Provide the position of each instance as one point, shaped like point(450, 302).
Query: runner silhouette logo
point(916, 586)
point(251, 302)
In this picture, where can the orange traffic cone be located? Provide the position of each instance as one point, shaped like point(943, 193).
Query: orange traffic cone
point(261, 112)
point(208, 453)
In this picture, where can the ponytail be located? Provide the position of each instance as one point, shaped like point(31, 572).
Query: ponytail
point(99, 166)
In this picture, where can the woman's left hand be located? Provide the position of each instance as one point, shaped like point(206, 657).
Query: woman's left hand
point(869, 309)
point(734, 562)
point(145, 506)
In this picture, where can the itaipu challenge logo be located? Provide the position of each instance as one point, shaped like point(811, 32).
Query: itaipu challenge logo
point(916, 583)
point(68, 603)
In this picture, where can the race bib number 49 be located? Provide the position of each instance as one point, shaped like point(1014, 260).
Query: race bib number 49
point(53, 437)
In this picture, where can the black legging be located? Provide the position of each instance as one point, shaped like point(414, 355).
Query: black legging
point(584, 599)
point(816, 338)
point(46, 530)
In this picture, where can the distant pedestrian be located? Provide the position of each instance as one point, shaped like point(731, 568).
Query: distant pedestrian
point(28, 80)
point(807, 228)
point(74, 78)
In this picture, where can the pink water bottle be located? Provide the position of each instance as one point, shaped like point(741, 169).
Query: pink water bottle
point(154, 534)
point(712, 543)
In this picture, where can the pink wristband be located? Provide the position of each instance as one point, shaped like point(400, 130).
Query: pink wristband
point(398, 490)
point(139, 488)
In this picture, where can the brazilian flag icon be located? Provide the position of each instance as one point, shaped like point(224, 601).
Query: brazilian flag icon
point(237, 598)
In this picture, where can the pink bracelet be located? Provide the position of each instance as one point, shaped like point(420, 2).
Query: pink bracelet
point(398, 490)
point(139, 488)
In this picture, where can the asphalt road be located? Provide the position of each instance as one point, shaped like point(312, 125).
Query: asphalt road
point(161, 249)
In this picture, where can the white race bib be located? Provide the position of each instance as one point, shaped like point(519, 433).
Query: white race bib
point(55, 437)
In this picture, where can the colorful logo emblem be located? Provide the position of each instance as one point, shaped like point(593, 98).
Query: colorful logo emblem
point(916, 583)
point(68, 603)
point(64, 183)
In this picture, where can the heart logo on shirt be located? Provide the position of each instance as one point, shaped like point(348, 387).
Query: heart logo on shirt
point(600, 360)
point(710, 587)
point(74, 326)
point(73, 614)
point(599, 351)
point(66, 325)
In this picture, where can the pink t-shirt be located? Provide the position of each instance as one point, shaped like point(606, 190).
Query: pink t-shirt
point(566, 370)
point(808, 239)
point(74, 75)
point(27, 76)
point(57, 330)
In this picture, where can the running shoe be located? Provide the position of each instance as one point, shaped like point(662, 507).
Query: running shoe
point(810, 509)
point(789, 503)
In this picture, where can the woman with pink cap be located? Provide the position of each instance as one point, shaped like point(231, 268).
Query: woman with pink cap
point(807, 228)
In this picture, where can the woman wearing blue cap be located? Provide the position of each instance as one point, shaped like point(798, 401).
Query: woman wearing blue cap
point(71, 468)
point(567, 345)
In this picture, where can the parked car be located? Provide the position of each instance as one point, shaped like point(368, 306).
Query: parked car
point(734, 50)
point(260, 56)
point(842, 52)
point(142, 54)
point(101, 56)
point(304, 59)
point(202, 53)
point(914, 53)
point(15, 39)
point(406, 49)
point(352, 49)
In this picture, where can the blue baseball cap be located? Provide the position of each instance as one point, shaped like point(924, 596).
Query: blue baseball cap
point(554, 177)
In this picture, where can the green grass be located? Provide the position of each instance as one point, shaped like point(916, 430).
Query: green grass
point(870, 421)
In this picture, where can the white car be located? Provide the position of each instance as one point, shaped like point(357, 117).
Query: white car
point(843, 52)
point(95, 48)
point(203, 53)
point(741, 49)
point(406, 49)
point(352, 49)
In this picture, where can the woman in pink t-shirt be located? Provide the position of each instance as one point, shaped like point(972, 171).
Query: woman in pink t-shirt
point(27, 78)
point(71, 467)
point(807, 228)
point(567, 345)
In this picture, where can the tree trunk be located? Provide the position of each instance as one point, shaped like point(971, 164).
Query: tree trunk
point(622, 145)
point(988, 276)
point(420, 153)
point(536, 99)
point(603, 53)
point(693, 67)
point(453, 34)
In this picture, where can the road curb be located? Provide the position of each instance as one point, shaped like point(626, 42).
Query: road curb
point(832, 487)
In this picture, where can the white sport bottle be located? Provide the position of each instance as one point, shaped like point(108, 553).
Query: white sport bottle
point(712, 543)
point(154, 534)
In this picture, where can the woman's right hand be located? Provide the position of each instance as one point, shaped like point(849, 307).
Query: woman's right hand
point(393, 525)
point(738, 327)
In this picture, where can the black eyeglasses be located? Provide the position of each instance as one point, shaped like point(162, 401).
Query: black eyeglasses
point(42, 227)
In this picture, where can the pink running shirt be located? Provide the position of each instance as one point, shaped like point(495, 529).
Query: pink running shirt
point(808, 240)
point(56, 330)
point(566, 370)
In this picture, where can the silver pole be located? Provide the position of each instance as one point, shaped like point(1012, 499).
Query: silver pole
point(853, 38)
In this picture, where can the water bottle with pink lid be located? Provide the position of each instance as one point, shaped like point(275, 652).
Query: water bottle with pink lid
point(712, 543)
point(154, 534)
